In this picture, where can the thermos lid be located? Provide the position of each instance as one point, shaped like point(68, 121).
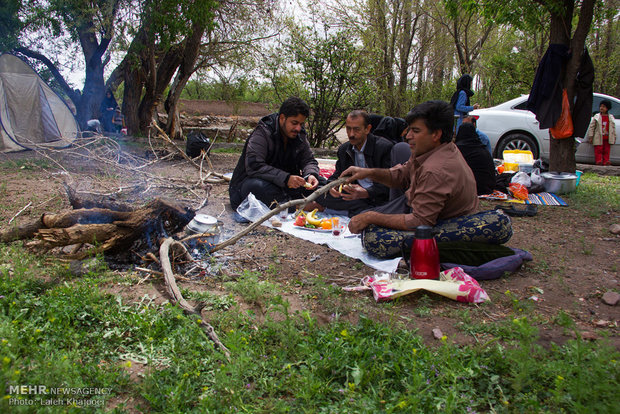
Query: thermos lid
point(424, 232)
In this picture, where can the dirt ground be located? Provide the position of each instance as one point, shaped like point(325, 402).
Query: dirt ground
point(575, 255)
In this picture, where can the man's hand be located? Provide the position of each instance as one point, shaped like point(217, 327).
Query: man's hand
point(295, 181)
point(356, 173)
point(354, 192)
point(361, 221)
point(312, 183)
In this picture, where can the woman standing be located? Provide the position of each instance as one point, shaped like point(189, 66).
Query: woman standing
point(460, 99)
point(107, 108)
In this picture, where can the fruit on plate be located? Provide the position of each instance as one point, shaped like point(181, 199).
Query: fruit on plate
point(300, 220)
point(326, 224)
point(311, 218)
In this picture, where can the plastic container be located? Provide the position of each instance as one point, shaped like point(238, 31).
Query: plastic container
point(511, 166)
point(517, 156)
point(578, 174)
point(526, 167)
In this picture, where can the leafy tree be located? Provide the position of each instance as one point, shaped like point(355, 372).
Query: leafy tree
point(569, 24)
point(326, 72)
point(604, 45)
point(9, 24)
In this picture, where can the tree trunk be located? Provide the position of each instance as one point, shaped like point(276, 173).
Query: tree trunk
point(562, 151)
point(187, 67)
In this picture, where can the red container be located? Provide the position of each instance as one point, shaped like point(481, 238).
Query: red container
point(424, 254)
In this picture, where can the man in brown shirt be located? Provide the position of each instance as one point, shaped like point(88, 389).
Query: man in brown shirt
point(439, 183)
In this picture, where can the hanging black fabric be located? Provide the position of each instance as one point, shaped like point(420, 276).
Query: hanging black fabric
point(545, 99)
point(582, 110)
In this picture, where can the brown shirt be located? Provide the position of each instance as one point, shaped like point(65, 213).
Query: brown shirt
point(440, 186)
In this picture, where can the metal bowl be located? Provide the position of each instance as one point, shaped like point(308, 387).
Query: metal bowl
point(559, 182)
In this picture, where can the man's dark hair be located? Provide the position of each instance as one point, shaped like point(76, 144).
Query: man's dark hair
point(356, 113)
point(437, 115)
point(294, 106)
point(607, 103)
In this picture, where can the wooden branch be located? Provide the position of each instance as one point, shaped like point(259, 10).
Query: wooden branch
point(301, 201)
point(20, 212)
point(177, 298)
point(183, 154)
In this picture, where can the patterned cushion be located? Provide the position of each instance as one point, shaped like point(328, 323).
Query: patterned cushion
point(491, 227)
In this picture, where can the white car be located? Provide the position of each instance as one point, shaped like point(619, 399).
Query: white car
point(510, 126)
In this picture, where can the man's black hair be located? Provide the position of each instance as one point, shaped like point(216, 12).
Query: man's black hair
point(294, 106)
point(607, 103)
point(360, 112)
point(437, 115)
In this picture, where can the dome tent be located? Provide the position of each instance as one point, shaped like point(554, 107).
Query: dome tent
point(32, 115)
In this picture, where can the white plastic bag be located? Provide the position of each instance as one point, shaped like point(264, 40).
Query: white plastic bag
point(522, 178)
point(252, 208)
point(536, 178)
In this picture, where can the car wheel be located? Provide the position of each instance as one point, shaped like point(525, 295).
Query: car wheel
point(518, 142)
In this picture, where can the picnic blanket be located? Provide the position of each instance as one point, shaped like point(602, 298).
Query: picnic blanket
point(545, 199)
point(348, 244)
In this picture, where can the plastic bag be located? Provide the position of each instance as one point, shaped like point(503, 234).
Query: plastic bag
point(536, 178)
point(563, 127)
point(252, 208)
point(518, 191)
point(521, 178)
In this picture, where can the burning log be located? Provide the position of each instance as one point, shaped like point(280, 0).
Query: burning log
point(109, 230)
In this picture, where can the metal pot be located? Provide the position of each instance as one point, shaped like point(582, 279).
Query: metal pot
point(203, 223)
point(559, 182)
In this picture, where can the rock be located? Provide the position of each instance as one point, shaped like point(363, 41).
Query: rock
point(437, 334)
point(614, 229)
point(602, 323)
point(611, 298)
point(588, 336)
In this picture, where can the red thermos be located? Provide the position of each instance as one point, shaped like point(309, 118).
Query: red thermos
point(424, 254)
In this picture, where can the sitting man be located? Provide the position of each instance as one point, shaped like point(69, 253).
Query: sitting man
point(440, 183)
point(277, 163)
point(477, 157)
point(363, 150)
point(440, 188)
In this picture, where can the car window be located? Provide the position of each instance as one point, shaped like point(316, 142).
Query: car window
point(522, 106)
point(596, 103)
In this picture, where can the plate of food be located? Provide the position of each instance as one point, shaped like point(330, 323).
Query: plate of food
point(310, 221)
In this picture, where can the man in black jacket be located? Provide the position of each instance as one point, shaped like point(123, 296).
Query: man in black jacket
point(277, 163)
point(363, 150)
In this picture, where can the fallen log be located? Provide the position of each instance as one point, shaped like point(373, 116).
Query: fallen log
point(106, 230)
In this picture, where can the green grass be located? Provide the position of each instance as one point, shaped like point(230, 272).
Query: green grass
point(26, 164)
point(230, 150)
point(596, 194)
point(61, 331)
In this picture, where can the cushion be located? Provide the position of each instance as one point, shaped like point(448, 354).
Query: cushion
point(490, 227)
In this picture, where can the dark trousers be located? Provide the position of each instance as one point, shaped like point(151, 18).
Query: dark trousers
point(264, 191)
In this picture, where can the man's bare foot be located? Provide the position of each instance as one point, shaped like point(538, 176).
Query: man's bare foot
point(312, 205)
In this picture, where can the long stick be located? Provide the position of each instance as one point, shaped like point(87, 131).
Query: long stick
point(273, 212)
point(177, 297)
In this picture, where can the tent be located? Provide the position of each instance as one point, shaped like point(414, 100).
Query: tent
point(32, 115)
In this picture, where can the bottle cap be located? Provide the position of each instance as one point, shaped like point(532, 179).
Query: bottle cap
point(424, 232)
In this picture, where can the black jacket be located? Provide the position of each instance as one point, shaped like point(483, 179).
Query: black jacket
point(264, 156)
point(377, 155)
point(545, 99)
point(477, 157)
